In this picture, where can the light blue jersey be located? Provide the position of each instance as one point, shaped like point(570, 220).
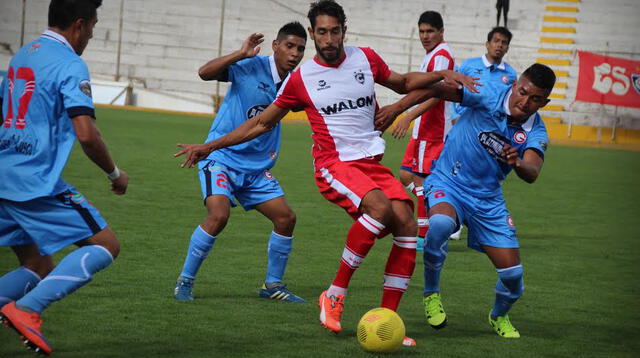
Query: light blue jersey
point(47, 84)
point(498, 74)
point(254, 83)
point(471, 158)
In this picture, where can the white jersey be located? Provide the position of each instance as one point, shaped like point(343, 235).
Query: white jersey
point(340, 104)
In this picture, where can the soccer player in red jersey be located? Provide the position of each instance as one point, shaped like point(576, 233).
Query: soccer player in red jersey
point(336, 90)
point(432, 120)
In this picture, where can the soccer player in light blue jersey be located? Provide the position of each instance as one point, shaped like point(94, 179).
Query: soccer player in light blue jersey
point(500, 131)
point(46, 104)
point(489, 68)
point(241, 172)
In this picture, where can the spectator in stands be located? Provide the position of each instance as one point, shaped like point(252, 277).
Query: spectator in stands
point(502, 5)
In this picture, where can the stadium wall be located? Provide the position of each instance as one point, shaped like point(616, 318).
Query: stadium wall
point(163, 42)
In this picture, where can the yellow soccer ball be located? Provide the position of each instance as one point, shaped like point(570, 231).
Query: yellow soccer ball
point(380, 330)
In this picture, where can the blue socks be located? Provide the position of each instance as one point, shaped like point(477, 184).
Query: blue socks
point(16, 284)
point(435, 250)
point(74, 271)
point(278, 255)
point(509, 288)
point(199, 247)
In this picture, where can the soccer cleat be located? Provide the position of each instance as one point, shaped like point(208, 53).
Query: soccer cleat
point(456, 235)
point(434, 312)
point(420, 244)
point(28, 327)
point(503, 327)
point(184, 287)
point(331, 311)
point(409, 342)
point(279, 293)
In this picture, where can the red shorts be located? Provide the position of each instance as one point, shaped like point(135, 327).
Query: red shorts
point(346, 183)
point(420, 154)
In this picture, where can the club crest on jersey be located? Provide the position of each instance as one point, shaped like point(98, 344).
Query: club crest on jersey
point(520, 137)
point(268, 175)
point(505, 79)
point(359, 76)
point(35, 47)
point(322, 85)
point(510, 221)
point(255, 110)
point(635, 80)
point(85, 87)
point(493, 143)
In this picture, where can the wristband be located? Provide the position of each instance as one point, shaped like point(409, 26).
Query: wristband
point(115, 174)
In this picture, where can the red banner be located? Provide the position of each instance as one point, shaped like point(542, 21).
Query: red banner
point(608, 80)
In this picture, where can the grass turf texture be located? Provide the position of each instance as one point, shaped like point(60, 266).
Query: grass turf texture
point(578, 228)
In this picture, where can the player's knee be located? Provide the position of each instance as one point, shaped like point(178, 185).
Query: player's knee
point(285, 223)
point(511, 281)
point(440, 227)
point(379, 209)
point(215, 222)
point(41, 265)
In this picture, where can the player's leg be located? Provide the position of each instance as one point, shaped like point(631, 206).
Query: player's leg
point(33, 267)
point(279, 248)
point(201, 242)
point(414, 184)
point(509, 287)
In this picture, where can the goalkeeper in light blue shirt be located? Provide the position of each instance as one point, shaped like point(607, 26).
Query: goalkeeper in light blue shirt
point(46, 104)
point(499, 132)
point(241, 172)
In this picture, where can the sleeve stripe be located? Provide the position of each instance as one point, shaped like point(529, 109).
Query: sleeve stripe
point(81, 111)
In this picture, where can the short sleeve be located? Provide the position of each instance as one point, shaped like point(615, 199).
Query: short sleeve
point(465, 69)
point(76, 89)
point(379, 68)
point(441, 62)
point(289, 95)
point(240, 69)
point(538, 139)
point(480, 100)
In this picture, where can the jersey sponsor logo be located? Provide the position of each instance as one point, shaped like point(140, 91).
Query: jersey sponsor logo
point(510, 221)
point(255, 110)
point(493, 143)
point(635, 81)
point(85, 87)
point(520, 137)
point(505, 79)
point(348, 104)
point(268, 175)
point(359, 76)
point(322, 85)
point(20, 145)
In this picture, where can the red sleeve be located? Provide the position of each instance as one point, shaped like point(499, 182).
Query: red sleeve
point(379, 68)
point(289, 95)
point(442, 60)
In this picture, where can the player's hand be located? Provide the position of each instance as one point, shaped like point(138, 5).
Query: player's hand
point(251, 46)
point(119, 185)
point(401, 127)
point(194, 154)
point(385, 117)
point(453, 78)
point(510, 155)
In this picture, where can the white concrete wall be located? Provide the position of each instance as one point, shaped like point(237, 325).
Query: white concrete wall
point(165, 41)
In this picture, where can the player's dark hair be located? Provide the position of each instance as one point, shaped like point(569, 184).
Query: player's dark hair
point(541, 76)
point(326, 7)
point(62, 13)
point(502, 31)
point(293, 28)
point(432, 18)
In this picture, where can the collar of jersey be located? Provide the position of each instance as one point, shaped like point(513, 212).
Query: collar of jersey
point(57, 37)
point(436, 47)
point(488, 63)
point(274, 71)
point(315, 59)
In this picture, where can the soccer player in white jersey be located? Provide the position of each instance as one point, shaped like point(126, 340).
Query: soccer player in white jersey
point(432, 120)
point(336, 89)
point(46, 104)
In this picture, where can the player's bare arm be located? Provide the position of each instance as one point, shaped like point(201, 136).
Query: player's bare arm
point(528, 167)
point(402, 125)
point(404, 83)
point(245, 132)
point(442, 90)
point(94, 147)
point(216, 68)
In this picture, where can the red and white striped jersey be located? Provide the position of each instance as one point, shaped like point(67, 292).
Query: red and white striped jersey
point(340, 104)
point(434, 124)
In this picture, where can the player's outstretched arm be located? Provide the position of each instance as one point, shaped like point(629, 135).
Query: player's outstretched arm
point(404, 83)
point(528, 167)
point(245, 132)
point(216, 68)
point(95, 148)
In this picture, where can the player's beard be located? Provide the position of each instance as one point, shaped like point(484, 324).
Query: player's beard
point(330, 58)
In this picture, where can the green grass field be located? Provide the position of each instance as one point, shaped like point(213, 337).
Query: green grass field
point(578, 228)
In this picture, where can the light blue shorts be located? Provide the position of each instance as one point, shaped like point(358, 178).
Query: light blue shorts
point(51, 222)
point(487, 219)
point(248, 189)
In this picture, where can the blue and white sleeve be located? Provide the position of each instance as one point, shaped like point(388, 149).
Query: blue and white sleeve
point(76, 90)
point(538, 139)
